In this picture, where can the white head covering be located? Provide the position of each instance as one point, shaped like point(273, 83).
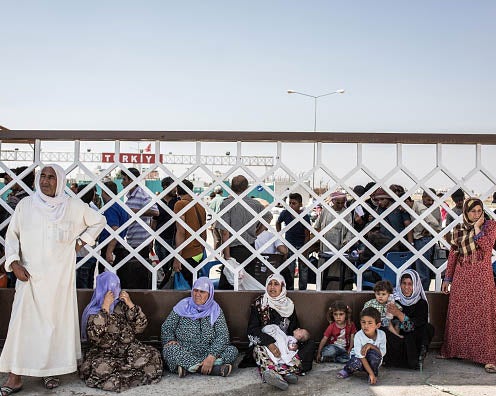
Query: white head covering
point(282, 304)
point(52, 207)
point(418, 291)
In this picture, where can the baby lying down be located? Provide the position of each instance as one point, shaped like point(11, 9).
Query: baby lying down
point(287, 345)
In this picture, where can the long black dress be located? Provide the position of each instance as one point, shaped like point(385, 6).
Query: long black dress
point(416, 330)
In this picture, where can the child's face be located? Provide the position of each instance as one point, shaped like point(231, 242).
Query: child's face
point(381, 296)
point(339, 317)
point(369, 326)
point(300, 334)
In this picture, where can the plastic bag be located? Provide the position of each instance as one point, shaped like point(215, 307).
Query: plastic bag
point(180, 283)
point(245, 280)
point(153, 258)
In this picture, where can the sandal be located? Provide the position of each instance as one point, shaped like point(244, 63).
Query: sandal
point(7, 390)
point(51, 382)
point(490, 368)
point(272, 378)
point(343, 374)
point(222, 370)
point(182, 372)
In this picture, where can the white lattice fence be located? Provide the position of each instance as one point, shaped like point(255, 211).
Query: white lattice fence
point(332, 166)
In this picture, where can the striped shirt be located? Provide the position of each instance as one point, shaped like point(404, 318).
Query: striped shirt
point(137, 199)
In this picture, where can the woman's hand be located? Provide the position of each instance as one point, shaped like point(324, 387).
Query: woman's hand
point(207, 364)
point(317, 358)
point(124, 296)
point(107, 301)
point(480, 221)
point(275, 350)
point(445, 286)
point(20, 271)
point(393, 309)
point(172, 342)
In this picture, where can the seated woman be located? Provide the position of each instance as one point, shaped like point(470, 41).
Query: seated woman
point(195, 337)
point(274, 307)
point(411, 350)
point(115, 360)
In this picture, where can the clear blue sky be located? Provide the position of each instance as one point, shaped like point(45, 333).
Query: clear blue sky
point(413, 66)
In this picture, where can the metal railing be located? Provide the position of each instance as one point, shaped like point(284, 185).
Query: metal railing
point(314, 164)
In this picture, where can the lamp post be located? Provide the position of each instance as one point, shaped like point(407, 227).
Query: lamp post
point(339, 91)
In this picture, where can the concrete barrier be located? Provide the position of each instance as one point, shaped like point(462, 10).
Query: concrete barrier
point(311, 308)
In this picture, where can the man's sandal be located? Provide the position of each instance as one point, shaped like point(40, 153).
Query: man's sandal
point(7, 390)
point(51, 382)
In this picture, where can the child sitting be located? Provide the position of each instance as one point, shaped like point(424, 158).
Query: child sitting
point(383, 291)
point(369, 348)
point(287, 345)
point(337, 341)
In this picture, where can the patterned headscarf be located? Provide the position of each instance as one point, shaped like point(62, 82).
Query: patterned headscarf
point(53, 207)
point(461, 238)
point(418, 291)
point(282, 304)
point(106, 281)
point(188, 309)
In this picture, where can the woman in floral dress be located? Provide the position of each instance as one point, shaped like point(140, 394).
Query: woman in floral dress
point(116, 361)
point(471, 322)
point(195, 336)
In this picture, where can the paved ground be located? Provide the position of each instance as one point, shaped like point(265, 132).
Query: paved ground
point(440, 377)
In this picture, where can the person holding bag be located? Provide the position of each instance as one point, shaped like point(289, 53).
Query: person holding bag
point(194, 218)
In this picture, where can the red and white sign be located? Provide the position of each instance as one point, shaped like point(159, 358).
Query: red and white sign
point(131, 158)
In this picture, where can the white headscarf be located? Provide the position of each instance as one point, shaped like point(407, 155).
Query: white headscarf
point(282, 304)
point(418, 291)
point(52, 207)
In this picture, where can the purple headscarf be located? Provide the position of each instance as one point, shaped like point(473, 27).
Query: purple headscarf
point(188, 309)
point(106, 281)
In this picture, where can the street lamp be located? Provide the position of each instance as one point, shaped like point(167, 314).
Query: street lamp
point(339, 91)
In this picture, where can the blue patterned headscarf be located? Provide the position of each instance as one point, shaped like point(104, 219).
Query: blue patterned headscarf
point(106, 281)
point(188, 309)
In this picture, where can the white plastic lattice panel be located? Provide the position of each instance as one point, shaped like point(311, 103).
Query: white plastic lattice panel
point(274, 170)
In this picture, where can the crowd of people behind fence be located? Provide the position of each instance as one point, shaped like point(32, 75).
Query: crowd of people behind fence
point(49, 230)
point(315, 235)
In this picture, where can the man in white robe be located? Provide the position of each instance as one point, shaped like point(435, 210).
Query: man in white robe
point(43, 236)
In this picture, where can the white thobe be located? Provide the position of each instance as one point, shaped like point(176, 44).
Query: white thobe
point(43, 334)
